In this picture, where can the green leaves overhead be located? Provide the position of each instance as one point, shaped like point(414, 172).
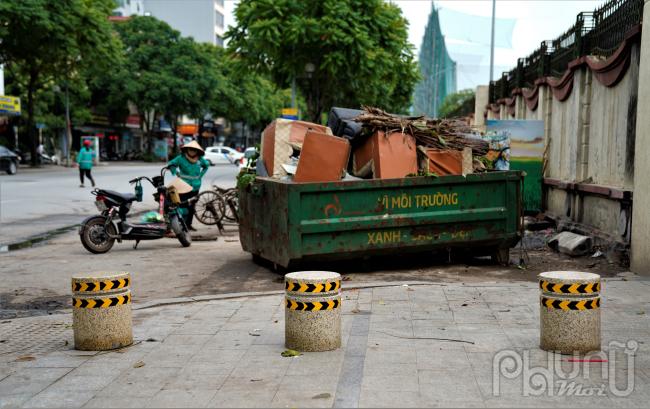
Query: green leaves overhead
point(47, 41)
point(358, 50)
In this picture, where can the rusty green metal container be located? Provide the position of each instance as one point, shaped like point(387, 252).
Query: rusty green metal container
point(285, 222)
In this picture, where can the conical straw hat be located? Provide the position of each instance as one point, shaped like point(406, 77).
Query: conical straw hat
point(194, 145)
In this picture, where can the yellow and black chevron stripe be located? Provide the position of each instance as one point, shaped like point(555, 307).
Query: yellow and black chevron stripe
point(297, 286)
point(101, 302)
point(101, 285)
point(570, 305)
point(313, 306)
point(576, 288)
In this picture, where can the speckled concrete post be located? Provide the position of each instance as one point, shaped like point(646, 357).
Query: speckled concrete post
point(569, 312)
point(101, 311)
point(313, 311)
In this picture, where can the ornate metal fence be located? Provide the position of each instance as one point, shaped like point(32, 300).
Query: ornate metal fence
point(595, 33)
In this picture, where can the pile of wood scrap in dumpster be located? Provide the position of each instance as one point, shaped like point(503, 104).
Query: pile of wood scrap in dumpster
point(368, 144)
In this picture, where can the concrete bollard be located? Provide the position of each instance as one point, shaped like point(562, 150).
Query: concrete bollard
point(101, 312)
point(569, 312)
point(313, 311)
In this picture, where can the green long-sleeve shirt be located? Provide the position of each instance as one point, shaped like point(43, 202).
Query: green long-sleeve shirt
point(188, 171)
point(85, 158)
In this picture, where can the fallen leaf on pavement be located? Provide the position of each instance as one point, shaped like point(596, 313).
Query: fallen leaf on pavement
point(290, 352)
point(25, 358)
point(322, 396)
point(355, 311)
point(256, 380)
point(138, 364)
point(255, 332)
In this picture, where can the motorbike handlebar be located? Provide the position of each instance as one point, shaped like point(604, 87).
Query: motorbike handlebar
point(162, 174)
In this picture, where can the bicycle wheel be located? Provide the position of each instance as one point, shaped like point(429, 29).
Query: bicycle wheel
point(232, 206)
point(210, 208)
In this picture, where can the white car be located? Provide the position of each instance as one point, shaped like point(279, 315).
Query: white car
point(222, 154)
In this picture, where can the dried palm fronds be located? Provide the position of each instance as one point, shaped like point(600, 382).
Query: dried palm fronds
point(432, 133)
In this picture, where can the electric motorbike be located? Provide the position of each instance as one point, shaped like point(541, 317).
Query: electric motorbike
point(99, 233)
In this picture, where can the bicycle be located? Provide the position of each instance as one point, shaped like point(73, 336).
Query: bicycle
point(216, 205)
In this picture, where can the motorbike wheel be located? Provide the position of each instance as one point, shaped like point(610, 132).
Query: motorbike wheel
point(182, 234)
point(94, 236)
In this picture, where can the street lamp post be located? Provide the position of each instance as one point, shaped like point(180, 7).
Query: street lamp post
point(494, 6)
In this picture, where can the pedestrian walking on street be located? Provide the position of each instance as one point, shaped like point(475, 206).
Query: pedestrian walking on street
point(190, 166)
point(85, 161)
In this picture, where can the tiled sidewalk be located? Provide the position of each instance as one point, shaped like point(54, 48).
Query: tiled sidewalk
point(226, 353)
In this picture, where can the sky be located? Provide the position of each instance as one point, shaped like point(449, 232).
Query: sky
point(532, 22)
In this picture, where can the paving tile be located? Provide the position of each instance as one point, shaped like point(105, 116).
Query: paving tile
point(372, 398)
point(321, 382)
point(91, 368)
point(117, 402)
point(252, 398)
point(303, 398)
point(140, 382)
point(59, 399)
point(442, 359)
point(301, 368)
point(230, 340)
point(449, 386)
point(217, 356)
point(30, 380)
point(168, 358)
point(81, 383)
point(251, 382)
point(182, 398)
point(390, 355)
point(14, 401)
point(429, 402)
point(390, 369)
point(184, 340)
point(192, 381)
point(405, 383)
point(57, 360)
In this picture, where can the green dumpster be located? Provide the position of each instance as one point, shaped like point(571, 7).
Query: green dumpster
point(286, 222)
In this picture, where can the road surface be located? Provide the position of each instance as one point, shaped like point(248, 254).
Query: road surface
point(37, 201)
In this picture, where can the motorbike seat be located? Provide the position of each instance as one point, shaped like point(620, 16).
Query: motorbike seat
point(122, 197)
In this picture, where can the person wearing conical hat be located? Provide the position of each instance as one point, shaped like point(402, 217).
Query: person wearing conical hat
point(190, 167)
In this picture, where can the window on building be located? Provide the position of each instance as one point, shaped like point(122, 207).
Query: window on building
point(219, 40)
point(219, 19)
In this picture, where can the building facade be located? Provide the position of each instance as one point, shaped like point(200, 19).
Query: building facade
point(127, 8)
point(437, 68)
point(202, 20)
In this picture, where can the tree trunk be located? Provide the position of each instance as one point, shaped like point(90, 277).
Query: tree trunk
point(31, 129)
point(174, 122)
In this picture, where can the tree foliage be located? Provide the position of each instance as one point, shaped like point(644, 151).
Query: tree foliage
point(458, 104)
point(45, 41)
point(357, 49)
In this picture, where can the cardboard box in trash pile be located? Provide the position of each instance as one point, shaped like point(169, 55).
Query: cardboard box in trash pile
point(348, 149)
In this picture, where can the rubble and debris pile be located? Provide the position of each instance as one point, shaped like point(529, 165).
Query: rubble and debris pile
point(369, 144)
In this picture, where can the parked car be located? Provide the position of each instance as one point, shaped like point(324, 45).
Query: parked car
point(222, 154)
point(8, 161)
